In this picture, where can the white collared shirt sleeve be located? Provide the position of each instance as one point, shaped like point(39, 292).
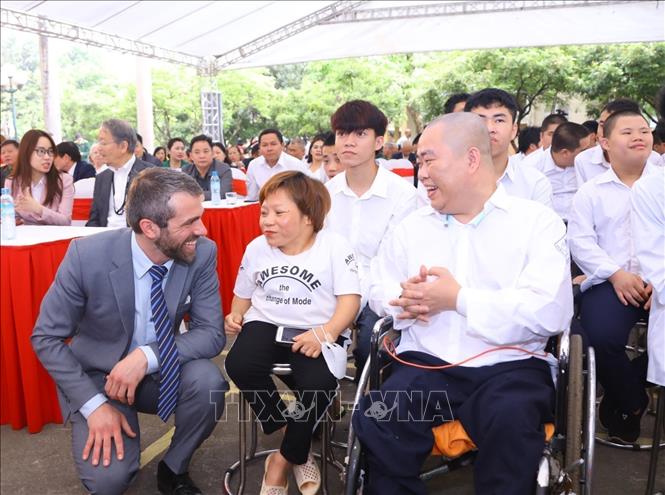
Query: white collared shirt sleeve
point(594, 261)
point(89, 407)
point(252, 186)
point(541, 302)
point(542, 191)
point(153, 362)
point(648, 229)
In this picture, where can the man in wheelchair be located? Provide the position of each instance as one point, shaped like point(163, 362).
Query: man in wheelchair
point(476, 283)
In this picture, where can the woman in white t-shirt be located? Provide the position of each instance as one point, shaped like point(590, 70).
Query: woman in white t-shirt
point(294, 275)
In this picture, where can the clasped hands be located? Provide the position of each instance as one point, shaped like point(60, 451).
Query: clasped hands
point(106, 423)
point(27, 204)
point(421, 299)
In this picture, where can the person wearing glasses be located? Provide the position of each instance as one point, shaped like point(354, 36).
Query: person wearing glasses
point(42, 195)
point(116, 142)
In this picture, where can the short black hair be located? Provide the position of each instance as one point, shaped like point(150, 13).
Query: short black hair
point(489, 97)
point(659, 132)
point(453, 100)
point(592, 125)
point(6, 142)
point(527, 137)
point(174, 140)
point(139, 138)
point(568, 136)
point(69, 148)
point(612, 120)
point(330, 139)
point(200, 137)
point(416, 139)
point(356, 115)
point(551, 119)
point(271, 131)
point(621, 105)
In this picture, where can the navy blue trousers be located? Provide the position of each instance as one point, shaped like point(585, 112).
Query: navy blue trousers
point(364, 326)
point(502, 407)
point(607, 324)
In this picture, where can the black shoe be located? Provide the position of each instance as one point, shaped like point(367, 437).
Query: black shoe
point(625, 427)
point(606, 413)
point(170, 483)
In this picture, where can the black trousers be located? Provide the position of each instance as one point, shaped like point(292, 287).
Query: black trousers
point(502, 407)
point(249, 364)
point(607, 324)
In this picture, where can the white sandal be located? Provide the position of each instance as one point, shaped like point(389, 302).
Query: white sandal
point(308, 477)
point(271, 489)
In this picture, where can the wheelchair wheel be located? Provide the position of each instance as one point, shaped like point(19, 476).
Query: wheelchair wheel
point(574, 405)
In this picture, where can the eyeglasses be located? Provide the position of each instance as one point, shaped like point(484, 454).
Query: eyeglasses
point(43, 151)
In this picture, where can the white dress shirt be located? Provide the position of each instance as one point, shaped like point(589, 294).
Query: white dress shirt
point(562, 180)
point(599, 231)
point(144, 328)
point(526, 182)
point(648, 229)
point(38, 190)
point(514, 269)
point(117, 200)
point(591, 162)
point(366, 220)
point(534, 157)
point(71, 170)
point(259, 172)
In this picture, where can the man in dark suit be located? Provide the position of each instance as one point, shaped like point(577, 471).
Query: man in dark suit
point(142, 154)
point(116, 141)
point(120, 296)
point(68, 159)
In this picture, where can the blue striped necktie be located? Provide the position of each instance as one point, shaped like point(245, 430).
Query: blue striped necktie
point(169, 379)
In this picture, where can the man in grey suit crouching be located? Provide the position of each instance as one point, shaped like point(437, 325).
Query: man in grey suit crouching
point(120, 297)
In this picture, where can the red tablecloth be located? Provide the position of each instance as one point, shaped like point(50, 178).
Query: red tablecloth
point(231, 229)
point(27, 392)
point(81, 209)
point(240, 186)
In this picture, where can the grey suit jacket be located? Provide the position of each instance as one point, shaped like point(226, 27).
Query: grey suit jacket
point(91, 301)
point(99, 212)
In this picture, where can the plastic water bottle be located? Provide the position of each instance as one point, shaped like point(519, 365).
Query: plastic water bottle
point(8, 216)
point(215, 188)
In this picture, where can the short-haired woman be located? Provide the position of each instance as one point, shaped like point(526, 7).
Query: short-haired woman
point(42, 194)
point(294, 275)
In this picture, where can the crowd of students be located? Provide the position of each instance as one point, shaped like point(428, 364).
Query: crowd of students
point(474, 265)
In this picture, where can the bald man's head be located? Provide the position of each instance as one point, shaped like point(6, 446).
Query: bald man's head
point(461, 131)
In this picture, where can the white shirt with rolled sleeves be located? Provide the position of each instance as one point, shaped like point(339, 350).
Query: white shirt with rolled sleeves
point(648, 229)
point(599, 232)
point(300, 290)
point(514, 268)
point(526, 182)
point(367, 220)
point(259, 172)
point(562, 180)
point(591, 163)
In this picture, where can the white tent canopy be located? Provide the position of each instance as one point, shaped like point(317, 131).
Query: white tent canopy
point(237, 34)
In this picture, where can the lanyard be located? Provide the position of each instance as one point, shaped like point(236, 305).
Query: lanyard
point(120, 211)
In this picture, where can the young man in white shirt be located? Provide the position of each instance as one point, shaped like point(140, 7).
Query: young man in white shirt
point(367, 200)
point(331, 163)
point(595, 161)
point(272, 160)
point(475, 270)
point(556, 163)
point(614, 295)
point(499, 110)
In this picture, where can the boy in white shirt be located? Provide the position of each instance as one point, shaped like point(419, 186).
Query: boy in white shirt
point(557, 164)
point(331, 163)
point(614, 296)
point(367, 200)
point(499, 110)
point(455, 292)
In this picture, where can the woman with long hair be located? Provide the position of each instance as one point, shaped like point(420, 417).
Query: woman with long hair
point(42, 194)
point(315, 158)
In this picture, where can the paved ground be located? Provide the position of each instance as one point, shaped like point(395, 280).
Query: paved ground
point(41, 463)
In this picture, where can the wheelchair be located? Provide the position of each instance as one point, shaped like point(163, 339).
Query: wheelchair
point(566, 465)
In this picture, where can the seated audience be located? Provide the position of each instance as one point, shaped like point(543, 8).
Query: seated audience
point(203, 165)
point(235, 155)
point(455, 103)
point(595, 161)
point(160, 154)
point(116, 141)
point(659, 138)
point(271, 161)
point(499, 110)
point(177, 154)
point(456, 292)
point(614, 295)
point(219, 153)
point(331, 162)
point(313, 286)
point(68, 159)
point(528, 141)
point(592, 126)
point(557, 164)
point(142, 154)
point(96, 159)
point(112, 344)
point(368, 201)
point(296, 148)
point(315, 158)
point(8, 157)
point(547, 128)
point(42, 194)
